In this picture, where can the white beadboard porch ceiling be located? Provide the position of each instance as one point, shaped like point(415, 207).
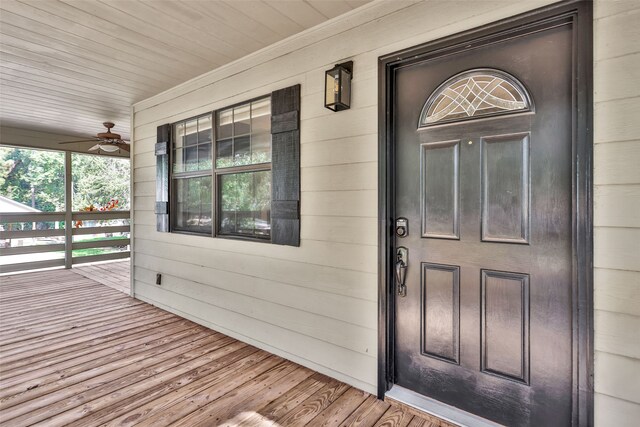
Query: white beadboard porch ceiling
point(66, 66)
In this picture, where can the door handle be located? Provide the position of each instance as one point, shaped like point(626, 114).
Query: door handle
point(402, 261)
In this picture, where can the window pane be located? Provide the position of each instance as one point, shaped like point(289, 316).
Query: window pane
point(225, 124)
point(193, 204)
point(261, 148)
point(251, 136)
point(178, 160)
point(178, 135)
point(224, 153)
point(261, 116)
point(241, 120)
point(191, 133)
point(204, 129)
point(242, 150)
point(204, 156)
point(191, 158)
point(245, 204)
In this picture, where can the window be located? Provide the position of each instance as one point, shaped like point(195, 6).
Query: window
point(192, 175)
point(472, 94)
point(231, 178)
point(234, 172)
point(243, 169)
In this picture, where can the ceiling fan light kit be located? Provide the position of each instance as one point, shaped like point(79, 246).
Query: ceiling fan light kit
point(108, 148)
point(108, 141)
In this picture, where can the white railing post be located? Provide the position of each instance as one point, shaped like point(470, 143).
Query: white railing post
point(68, 212)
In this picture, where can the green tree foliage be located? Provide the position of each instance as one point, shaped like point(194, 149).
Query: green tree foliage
point(96, 179)
point(41, 172)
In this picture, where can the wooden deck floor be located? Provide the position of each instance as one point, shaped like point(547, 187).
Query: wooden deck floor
point(115, 274)
point(77, 353)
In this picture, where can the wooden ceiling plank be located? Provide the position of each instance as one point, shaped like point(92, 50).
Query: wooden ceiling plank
point(140, 58)
point(37, 97)
point(235, 24)
point(357, 3)
point(98, 90)
point(9, 54)
point(86, 62)
point(330, 8)
point(77, 129)
point(159, 26)
point(62, 97)
point(72, 129)
point(300, 12)
point(48, 110)
point(26, 80)
point(191, 14)
point(76, 18)
point(270, 17)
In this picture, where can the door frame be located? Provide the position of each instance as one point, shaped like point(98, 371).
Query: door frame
point(579, 14)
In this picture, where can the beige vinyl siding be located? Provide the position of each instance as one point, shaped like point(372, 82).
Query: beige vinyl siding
point(317, 304)
point(617, 212)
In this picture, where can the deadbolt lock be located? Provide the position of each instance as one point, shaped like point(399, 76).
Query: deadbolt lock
point(402, 227)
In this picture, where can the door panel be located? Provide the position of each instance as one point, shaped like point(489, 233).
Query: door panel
point(505, 324)
point(441, 311)
point(486, 324)
point(505, 188)
point(439, 170)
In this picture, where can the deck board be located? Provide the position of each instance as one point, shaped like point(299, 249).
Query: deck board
point(76, 350)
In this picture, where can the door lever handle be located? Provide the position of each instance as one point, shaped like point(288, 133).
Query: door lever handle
point(402, 258)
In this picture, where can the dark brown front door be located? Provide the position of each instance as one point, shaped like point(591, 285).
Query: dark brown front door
point(483, 173)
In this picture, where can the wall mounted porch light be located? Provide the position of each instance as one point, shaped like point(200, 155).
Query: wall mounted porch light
point(337, 87)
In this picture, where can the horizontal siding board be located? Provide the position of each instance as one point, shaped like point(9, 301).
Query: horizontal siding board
point(616, 120)
point(617, 376)
point(340, 203)
point(339, 362)
point(617, 333)
point(617, 162)
point(617, 248)
point(144, 174)
point(604, 8)
point(617, 205)
point(617, 35)
point(337, 332)
point(350, 150)
point(617, 291)
point(326, 279)
point(322, 302)
point(348, 123)
point(356, 230)
point(617, 78)
point(330, 254)
point(610, 411)
point(358, 176)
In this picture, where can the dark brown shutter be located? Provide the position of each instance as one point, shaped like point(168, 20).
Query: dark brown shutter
point(285, 163)
point(162, 150)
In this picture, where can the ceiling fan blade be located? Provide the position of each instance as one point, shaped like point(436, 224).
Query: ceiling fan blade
point(124, 147)
point(73, 142)
point(94, 148)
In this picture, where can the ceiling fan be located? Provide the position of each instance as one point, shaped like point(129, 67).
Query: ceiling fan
point(106, 141)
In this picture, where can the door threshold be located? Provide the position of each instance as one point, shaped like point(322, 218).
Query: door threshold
point(440, 410)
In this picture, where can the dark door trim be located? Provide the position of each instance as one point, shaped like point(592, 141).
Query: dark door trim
point(579, 15)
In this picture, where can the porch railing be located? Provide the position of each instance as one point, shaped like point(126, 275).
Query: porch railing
point(59, 242)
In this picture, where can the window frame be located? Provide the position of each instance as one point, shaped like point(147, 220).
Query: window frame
point(216, 173)
point(174, 177)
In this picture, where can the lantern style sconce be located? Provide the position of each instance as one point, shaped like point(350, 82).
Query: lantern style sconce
point(337, 87)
